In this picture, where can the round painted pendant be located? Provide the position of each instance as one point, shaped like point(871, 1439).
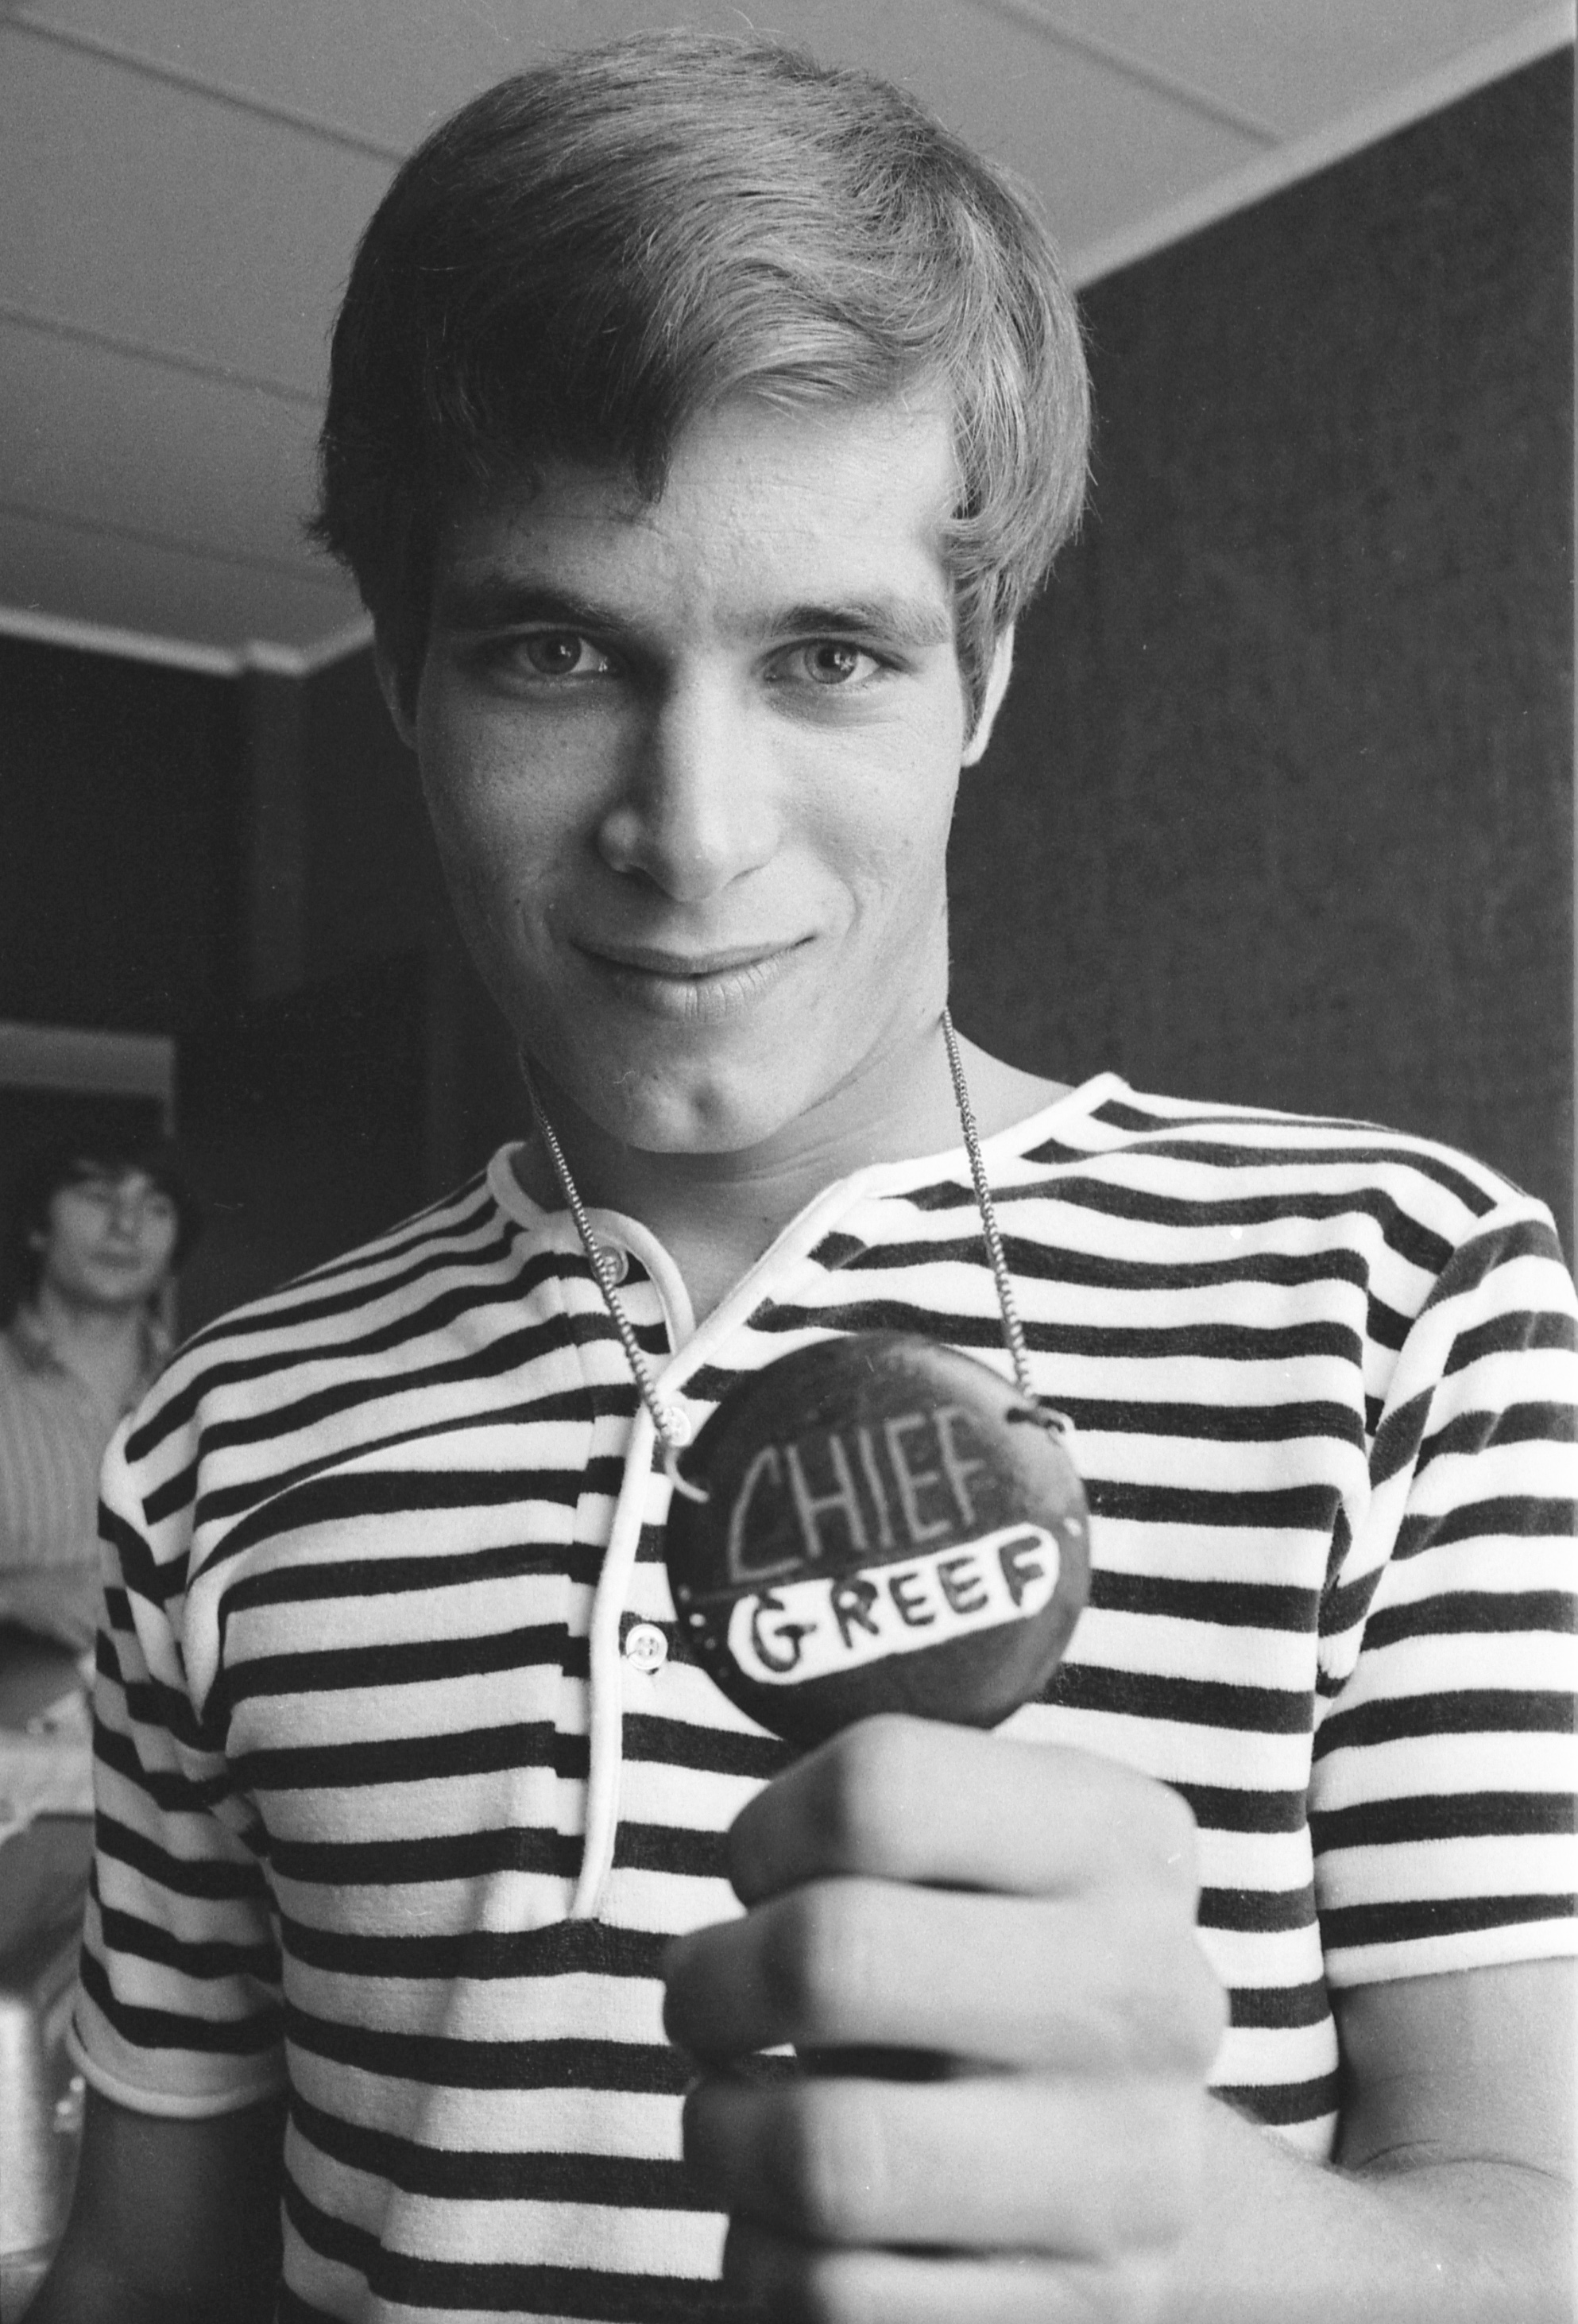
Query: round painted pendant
point(887, 1526)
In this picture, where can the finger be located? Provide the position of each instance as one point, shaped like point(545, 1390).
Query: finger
point(783, 2281)
point(1002, 1980)
point(1083, 2169)
point(915, 1800)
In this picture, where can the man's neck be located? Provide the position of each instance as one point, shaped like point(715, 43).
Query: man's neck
point(716, 1214)
point(106, 1347)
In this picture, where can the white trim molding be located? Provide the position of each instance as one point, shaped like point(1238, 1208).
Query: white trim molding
point(92, 1062)
point(184, 654)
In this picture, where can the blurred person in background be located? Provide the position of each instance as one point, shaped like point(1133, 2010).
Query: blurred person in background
point(98, 1233)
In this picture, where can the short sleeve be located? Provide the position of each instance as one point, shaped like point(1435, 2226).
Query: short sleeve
point(177, 2007)
point(1442, 1798)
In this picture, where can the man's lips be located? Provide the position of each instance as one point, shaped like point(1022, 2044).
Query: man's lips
point(684, 986)
point(656, 960)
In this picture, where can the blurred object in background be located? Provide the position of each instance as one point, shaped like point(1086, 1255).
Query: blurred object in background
point(46, 1841)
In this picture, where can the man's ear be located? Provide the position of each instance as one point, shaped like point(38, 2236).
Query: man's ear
point(998, 678)
point(389, 685)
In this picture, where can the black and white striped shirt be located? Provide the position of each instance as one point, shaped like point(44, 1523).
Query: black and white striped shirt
point(352, 1700)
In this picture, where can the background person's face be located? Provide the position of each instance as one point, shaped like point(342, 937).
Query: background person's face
point(692, 766)
point(108, 1239)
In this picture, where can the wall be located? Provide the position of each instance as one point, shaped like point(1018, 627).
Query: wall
point(1279, 810)
point(375, 890)
point(120, 863)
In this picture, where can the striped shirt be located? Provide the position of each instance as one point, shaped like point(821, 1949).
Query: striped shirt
point(360, 1729)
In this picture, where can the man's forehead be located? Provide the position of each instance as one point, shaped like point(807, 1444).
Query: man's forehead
point(793, 509)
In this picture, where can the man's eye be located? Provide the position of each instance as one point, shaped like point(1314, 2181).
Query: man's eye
point(832, 662)
point(562, 653)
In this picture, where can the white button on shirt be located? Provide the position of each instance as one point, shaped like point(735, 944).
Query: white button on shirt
point(646, 1647)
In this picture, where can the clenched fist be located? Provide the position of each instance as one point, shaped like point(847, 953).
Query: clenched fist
point(1019, 1919)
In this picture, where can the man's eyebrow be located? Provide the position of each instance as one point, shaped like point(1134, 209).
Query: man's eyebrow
point(913, 622)
point(490, 600)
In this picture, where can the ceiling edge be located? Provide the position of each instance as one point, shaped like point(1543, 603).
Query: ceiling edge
point(182, 653)
point(73, 1057)
point(338, 647)
point(1549, 29)
point(1033, 15)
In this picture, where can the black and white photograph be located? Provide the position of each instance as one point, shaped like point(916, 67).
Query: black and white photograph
point(788, 1358)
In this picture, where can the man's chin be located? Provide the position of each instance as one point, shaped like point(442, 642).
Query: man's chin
point(710, 1112)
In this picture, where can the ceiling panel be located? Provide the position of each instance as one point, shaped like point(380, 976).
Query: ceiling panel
point(383, 69)
point(143, 445)
point(156, 216)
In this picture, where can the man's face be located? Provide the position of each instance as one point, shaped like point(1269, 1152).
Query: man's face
point(691, 766)
point(108, 1239)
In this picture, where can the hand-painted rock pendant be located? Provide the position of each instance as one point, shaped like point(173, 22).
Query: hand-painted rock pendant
point(887, 1526)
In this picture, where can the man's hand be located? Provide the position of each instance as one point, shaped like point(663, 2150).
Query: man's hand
point(1025, 1915)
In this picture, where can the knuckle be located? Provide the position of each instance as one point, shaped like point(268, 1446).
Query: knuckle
point(837, 2293)
point(865, 1778)
point(1174, 1839)
point(1183, 2014)
point(1145, 2182)
point(1211, 2012)
point(829, 2164)
point(1164, 2155)
point(785, 2282)
point(1164, 2011)
point(1135, 2289)
point(817, 1964)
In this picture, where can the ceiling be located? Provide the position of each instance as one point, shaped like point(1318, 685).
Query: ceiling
point(183, 184)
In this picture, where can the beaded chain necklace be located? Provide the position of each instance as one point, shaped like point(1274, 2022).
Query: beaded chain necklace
point(868, 1522)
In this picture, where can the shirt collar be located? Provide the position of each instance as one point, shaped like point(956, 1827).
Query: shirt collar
point(31, 1343)
point(35, 1351)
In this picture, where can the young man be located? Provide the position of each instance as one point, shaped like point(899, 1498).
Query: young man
point(700, 421)
point(97, 1236)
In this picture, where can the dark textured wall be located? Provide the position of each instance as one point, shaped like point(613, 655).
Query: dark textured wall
point(372, 880)
point(303, 1116)
point(1279, 809)
point(373, 889)
point(119, 840)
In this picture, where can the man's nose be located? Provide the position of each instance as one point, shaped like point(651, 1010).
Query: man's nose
point(696, 808)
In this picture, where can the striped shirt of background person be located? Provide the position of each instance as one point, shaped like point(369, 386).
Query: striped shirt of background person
point(1323, 1378)
point(53, 1431)
point(52, 1435)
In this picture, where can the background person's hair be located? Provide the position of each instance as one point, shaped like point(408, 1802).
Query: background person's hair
point(598, 250)
point(67, 1162)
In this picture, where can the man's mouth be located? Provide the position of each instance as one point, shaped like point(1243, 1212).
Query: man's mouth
point(683, 984)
